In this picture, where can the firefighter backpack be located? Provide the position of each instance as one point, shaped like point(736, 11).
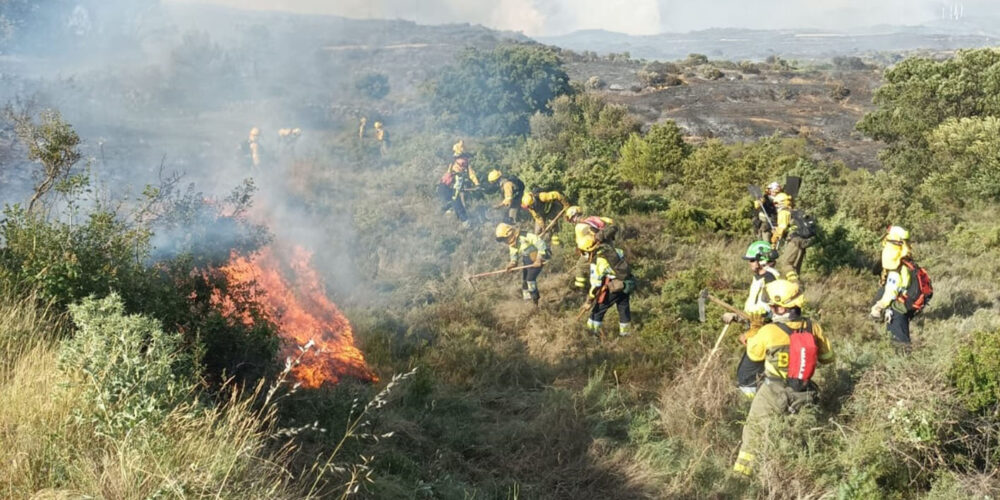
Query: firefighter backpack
point(802, 355)
point(920, 291)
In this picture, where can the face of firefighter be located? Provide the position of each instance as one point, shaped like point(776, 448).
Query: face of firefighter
point(755, 266)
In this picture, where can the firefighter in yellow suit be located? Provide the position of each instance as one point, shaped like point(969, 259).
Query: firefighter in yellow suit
point(527, 250)
point(780, 394)
point(540, 204)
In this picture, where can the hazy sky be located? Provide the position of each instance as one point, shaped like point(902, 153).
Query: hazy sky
point(553, 17)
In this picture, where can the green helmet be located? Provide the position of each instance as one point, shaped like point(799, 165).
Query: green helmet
point(761, 251)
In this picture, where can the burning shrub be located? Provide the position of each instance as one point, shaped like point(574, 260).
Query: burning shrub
point(131, 370)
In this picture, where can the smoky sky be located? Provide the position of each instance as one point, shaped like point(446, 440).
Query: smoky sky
point(638, 17)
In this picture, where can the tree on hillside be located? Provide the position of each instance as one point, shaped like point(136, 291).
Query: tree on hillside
point(51, 142)
point(372, 85)
point(920, 94)
point(496, 92)
point(657, 157)
point(921, 114)
point(967, 151)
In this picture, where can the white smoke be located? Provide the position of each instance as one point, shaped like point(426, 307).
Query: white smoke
point(532, 17)
point(636, 17)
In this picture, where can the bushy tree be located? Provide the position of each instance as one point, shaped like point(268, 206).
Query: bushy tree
point(497, 92)
point(967, 156)
point(920, 94)
point(654, 158)
point(372, 85)
point(51, 142)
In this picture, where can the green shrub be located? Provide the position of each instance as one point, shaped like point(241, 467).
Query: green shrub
point(497, 92)
point(975, 372)
point(372, 85)
point(712, 74)
point(654, 158)
point(967, 155)
point(130, 369)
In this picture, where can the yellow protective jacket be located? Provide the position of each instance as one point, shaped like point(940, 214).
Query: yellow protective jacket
point(755, 304)
point(770, 345)
point(255, 153)
point(586, 234)
point(508, 188)
point(457, 169)
point(527, 245)
point(532, 202)
point(784, 222)
point(606, 267)
point(896, 283)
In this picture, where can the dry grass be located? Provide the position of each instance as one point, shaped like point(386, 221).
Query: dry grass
point(198, 451)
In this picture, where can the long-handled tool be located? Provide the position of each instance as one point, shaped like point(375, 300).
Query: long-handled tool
point(705, 362)
point(553, 223)
point(758, 195)
point(704, 295)
point(494, 273)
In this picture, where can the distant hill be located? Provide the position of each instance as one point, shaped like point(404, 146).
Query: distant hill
point(738, 44)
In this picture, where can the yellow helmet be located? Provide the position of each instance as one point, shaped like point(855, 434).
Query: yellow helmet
point(783, 200)
point(378, 124)
point(897, 234)
point(254, 132)
point(784, 293)
point(573, 212)
point(505, 232)
point(494, 175)
point(527, 200)
point(459, 148)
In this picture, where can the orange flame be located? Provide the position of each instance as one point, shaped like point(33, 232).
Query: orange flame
point(292, 296)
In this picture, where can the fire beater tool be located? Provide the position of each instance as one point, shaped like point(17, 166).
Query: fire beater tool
point(553, 223)
point(704, 295)
point(494, 273)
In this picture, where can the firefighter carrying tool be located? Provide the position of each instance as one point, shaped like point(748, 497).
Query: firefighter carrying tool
point(588, 233)
point(541, 205)
point(790, 348)
point(512, 189)
point(528, 250)
point(611, 284)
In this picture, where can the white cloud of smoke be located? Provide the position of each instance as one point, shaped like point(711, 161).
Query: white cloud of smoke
point(553, 17)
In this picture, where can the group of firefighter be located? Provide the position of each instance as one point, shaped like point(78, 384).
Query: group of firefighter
point(783, 347)
point(601, 269)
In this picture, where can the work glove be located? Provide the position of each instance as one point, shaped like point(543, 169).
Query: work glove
point(876, 311)
point(729, 317)
point(743, 338)
point(538, 263)
point(756, 320)
point(510, 265)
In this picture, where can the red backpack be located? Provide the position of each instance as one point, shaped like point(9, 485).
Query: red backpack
point(802, 355)
point(920, 291)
